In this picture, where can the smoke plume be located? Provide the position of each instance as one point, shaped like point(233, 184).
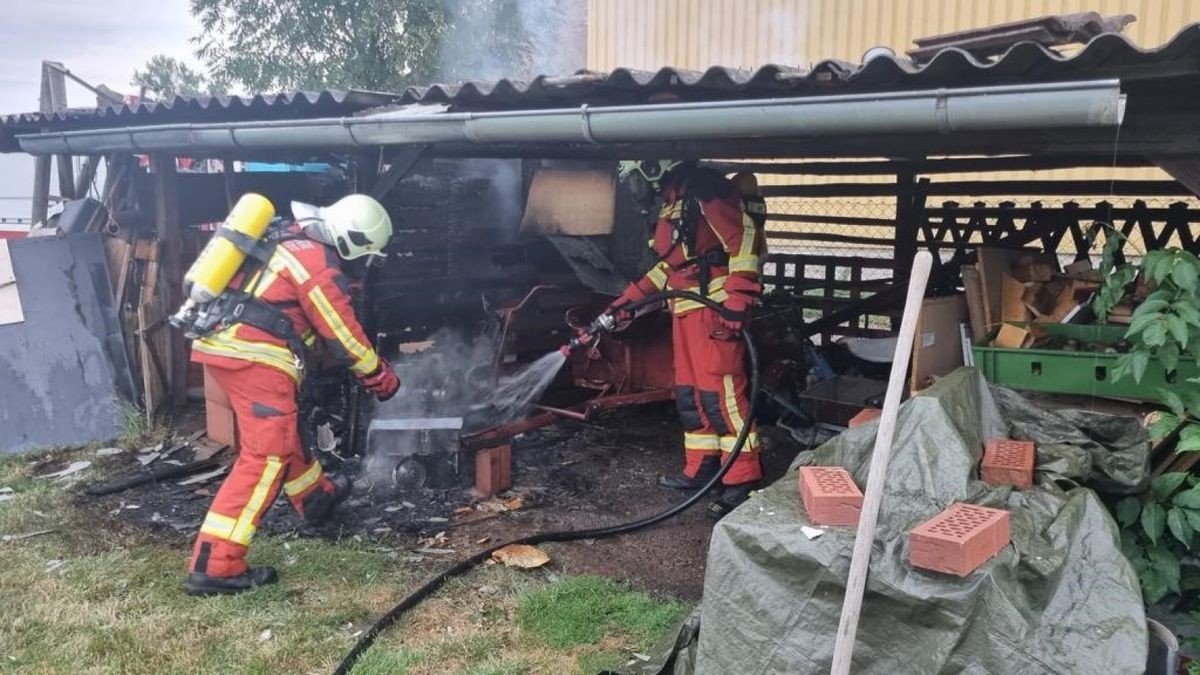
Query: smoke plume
point(514, 39)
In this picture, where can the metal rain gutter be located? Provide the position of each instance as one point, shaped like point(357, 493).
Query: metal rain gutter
point(940, 111)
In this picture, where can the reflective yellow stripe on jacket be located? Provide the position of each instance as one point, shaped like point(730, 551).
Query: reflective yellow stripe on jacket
point(716, 292)
point(225, 343)
point(745, 259)
point(365, 358)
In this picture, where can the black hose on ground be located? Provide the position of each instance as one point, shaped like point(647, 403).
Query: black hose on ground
point(430, 587)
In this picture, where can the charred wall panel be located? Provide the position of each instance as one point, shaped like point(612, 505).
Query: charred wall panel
point(456, 250)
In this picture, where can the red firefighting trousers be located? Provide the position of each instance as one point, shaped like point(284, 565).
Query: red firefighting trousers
point(711, 392)
point(270, 457)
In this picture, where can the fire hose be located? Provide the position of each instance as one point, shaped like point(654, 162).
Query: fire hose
point(416, 597)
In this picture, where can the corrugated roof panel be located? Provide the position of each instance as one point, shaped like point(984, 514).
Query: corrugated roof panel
point(1106, 56)
point(211, 108)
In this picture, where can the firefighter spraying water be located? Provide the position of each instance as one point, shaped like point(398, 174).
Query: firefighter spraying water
point(708, 240)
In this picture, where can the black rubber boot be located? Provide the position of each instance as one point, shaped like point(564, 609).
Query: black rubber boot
point(732, 497)
point(320, 504)
point(202, 584)
point(680, 481)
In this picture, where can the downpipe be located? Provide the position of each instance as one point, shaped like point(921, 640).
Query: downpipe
point(585, 337)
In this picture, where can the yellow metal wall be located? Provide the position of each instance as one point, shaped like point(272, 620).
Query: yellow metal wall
point(648, 34)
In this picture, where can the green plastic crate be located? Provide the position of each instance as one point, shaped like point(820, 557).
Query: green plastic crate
point(1089, 373)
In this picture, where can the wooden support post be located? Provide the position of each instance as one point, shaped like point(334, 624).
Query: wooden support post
point(906, 225)
point(54, 90)
point(86, 174)
point(905, 246)
point(41, 169)
point(170, 235)
point(366, 171)
point(230, 189)
point(41, 190)
point(402, 163)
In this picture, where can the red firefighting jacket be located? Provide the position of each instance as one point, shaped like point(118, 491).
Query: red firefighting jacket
point(303, 279)
point(725, 234)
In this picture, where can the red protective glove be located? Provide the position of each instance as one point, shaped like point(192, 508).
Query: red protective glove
point(384, 382)
point(737, 311)
point(617, 307)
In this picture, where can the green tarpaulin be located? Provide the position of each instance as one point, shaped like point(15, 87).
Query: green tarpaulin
point(1059, 599)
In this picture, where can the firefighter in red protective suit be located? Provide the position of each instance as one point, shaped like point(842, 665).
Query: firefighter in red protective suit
point(294, 292)
point(707, 241)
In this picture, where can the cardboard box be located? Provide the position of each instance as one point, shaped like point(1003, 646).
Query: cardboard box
point(1030, 267)
point(1082, 270)
point(1012, 336)
point(937, 348)
point(973, 290)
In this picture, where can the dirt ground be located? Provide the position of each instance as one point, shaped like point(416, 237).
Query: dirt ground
point(567, 476)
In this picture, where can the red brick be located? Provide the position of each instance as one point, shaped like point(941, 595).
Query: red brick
point(830, 496)
point(959, 539)
point(865, 415)
point(220, 424)
point(213, 391)
point(1008, 462)
point(493, 470)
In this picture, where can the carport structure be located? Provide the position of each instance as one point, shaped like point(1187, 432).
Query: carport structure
point(1110, 104)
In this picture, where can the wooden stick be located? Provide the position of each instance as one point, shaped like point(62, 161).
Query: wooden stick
point(864, 538)
point(165, 473)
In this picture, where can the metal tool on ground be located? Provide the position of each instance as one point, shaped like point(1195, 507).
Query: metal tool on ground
point(431, 586)
point(865, 536)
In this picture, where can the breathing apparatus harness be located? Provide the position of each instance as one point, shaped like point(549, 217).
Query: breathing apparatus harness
point(698, 183)
point(241, 305)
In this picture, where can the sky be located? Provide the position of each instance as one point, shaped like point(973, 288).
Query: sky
point(100, 41)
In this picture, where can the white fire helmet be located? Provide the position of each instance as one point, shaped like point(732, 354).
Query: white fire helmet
point(650, 171)
point(355, 225)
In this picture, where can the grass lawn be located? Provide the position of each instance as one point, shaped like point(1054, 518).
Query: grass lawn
point(97, 597)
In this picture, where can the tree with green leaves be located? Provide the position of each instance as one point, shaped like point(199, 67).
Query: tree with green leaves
point(384, 45)
point(165, 77)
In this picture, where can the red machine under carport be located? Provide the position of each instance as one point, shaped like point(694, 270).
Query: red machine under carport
point(628, 368)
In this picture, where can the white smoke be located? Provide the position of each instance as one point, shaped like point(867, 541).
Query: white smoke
point(506, 190)
point(515, 39)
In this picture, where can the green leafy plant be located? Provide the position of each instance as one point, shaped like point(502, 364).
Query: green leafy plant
point(1157, 534)
point(1160, 529)
point(1165, 326)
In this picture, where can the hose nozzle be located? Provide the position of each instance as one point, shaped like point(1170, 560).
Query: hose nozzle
point(585, 336)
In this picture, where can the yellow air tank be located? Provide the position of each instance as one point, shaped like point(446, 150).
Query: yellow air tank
point(222, 257)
